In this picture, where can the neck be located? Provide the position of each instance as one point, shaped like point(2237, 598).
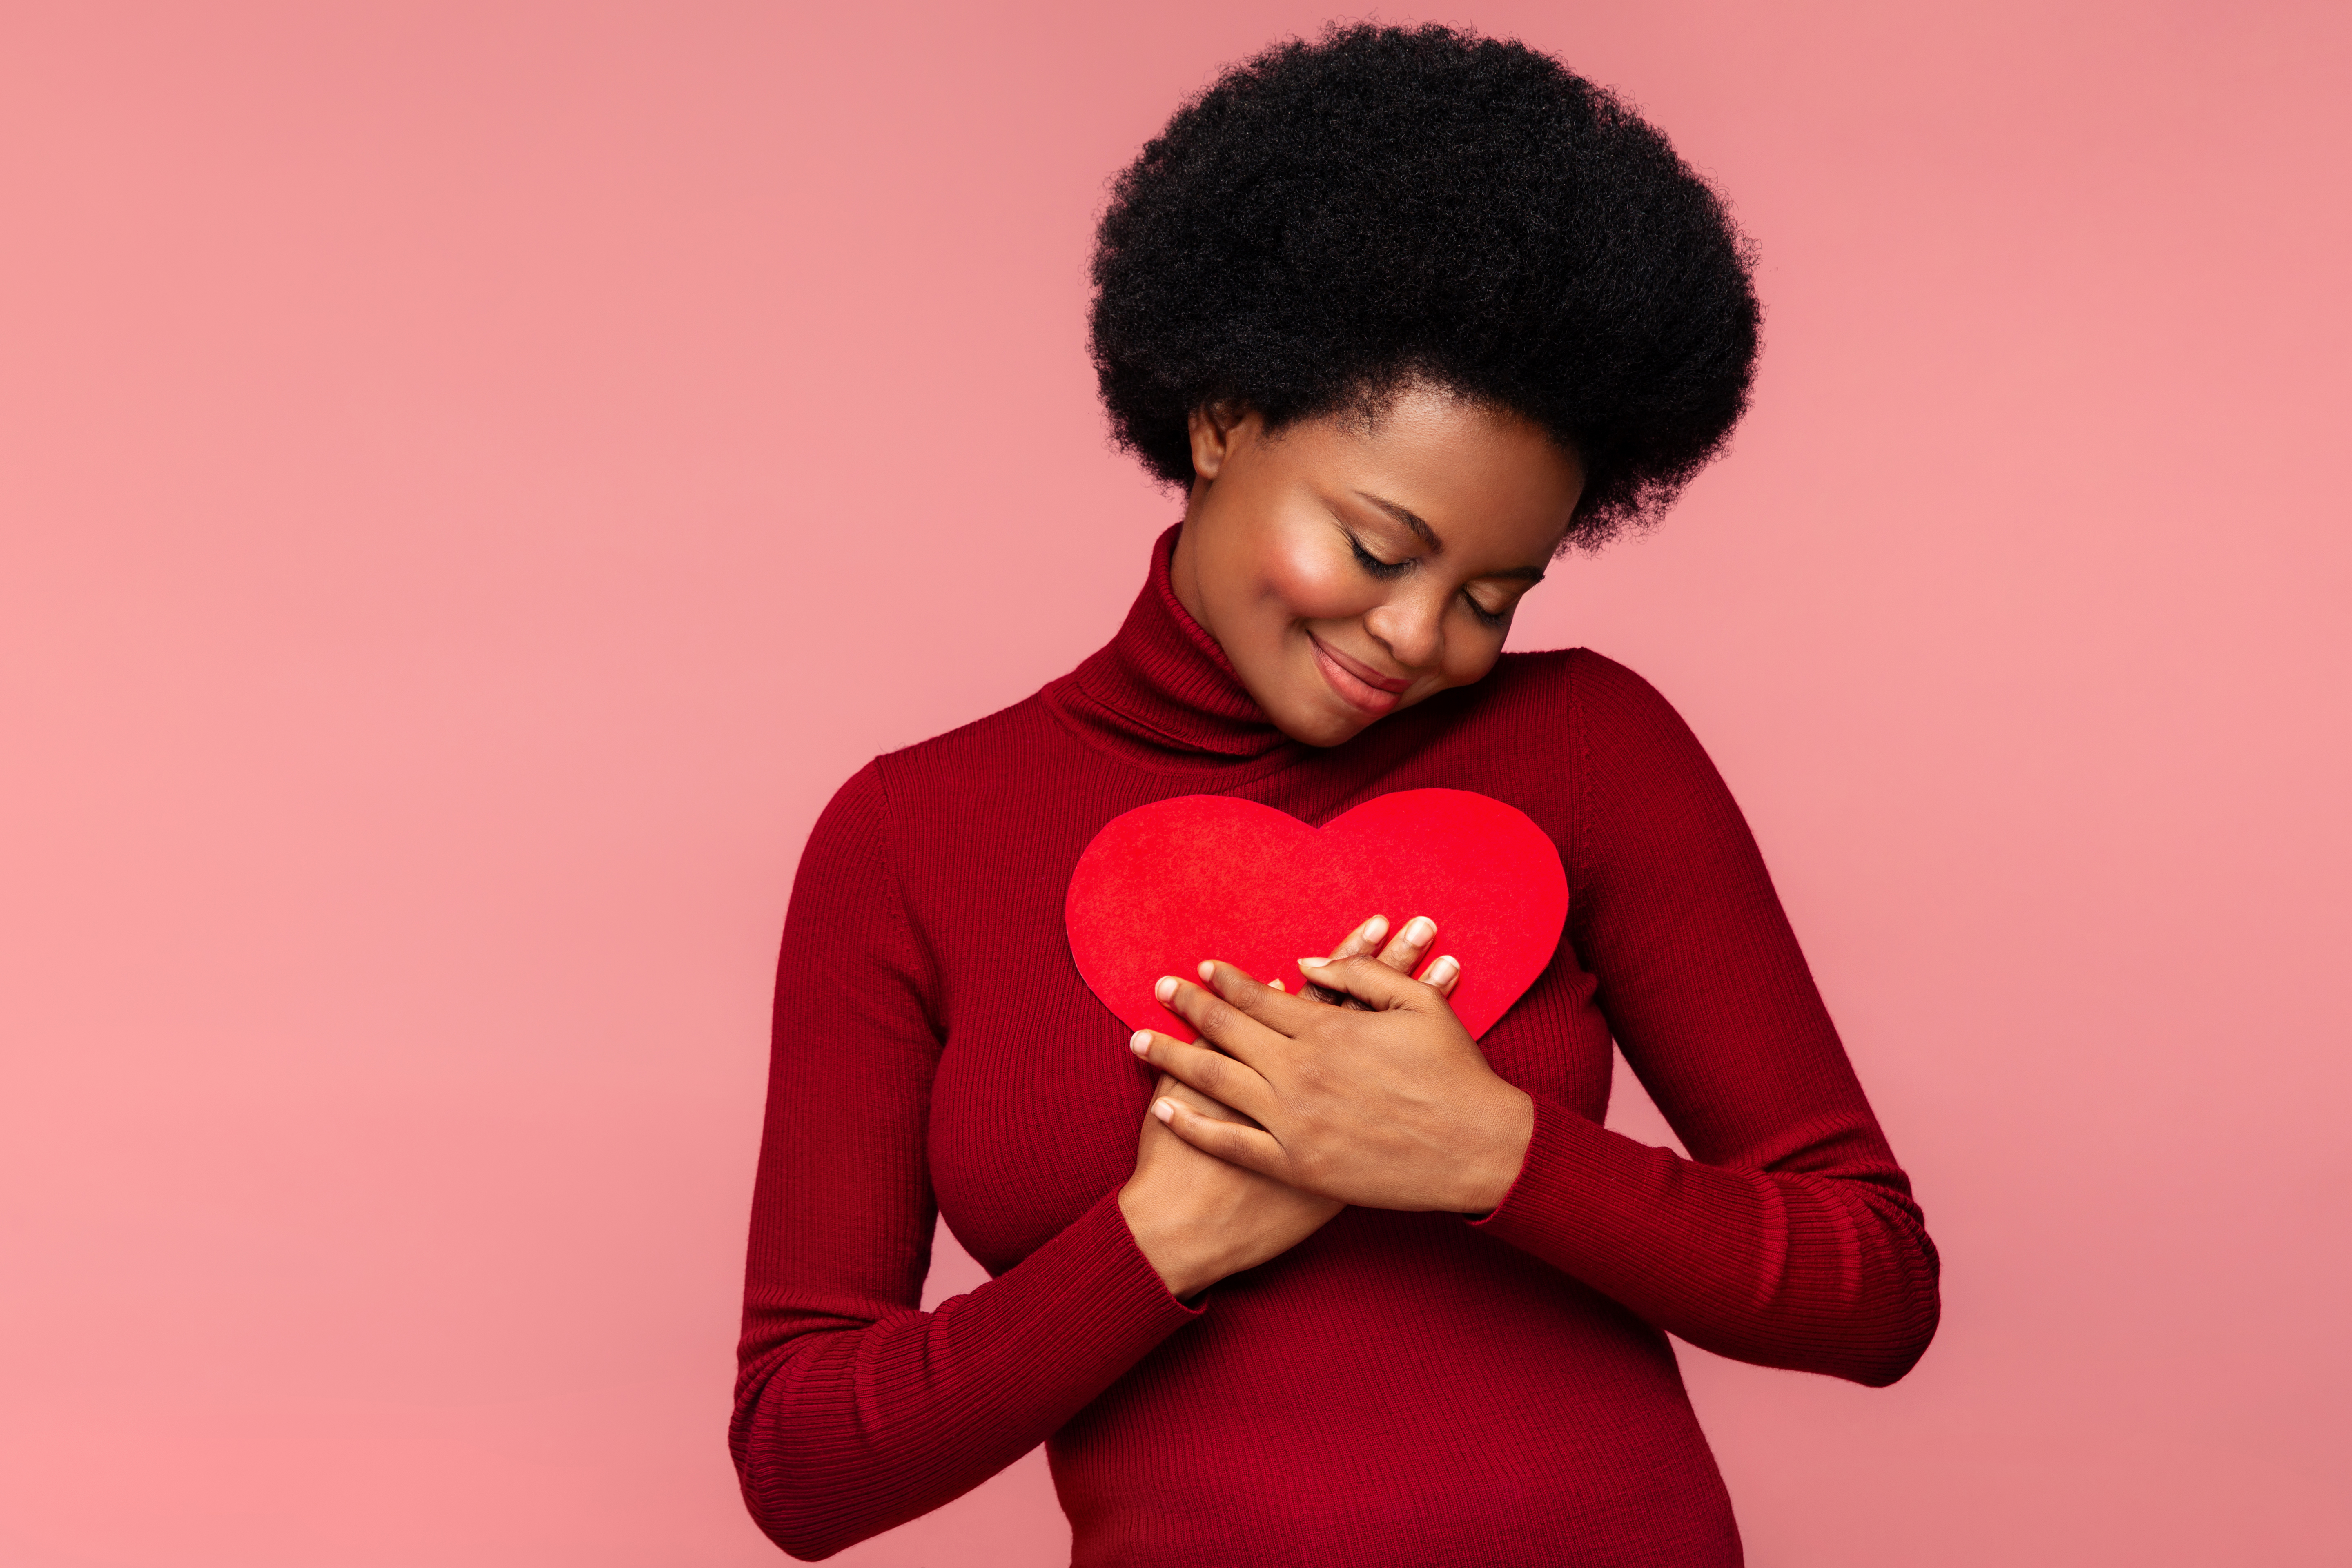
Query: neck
point(1164, 691)
point(1184, 560)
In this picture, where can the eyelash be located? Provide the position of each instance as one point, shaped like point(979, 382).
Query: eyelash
point(1374, 564)
point(1486, 617)
point(1385, 570)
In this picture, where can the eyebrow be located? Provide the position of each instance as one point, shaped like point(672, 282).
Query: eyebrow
point(1429, 537)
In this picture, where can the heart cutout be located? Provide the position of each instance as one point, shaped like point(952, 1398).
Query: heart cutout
point(1206, 876)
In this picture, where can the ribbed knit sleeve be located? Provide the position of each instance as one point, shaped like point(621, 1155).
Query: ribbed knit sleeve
point(1789, 1238)
point(854, 1411)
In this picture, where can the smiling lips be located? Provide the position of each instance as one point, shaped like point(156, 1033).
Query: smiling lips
point(1356, 683)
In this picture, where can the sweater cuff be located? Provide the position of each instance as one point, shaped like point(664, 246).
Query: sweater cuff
point(1569, 1205)
point(1093, 1295)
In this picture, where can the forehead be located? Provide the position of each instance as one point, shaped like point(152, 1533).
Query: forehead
point(1487, 481)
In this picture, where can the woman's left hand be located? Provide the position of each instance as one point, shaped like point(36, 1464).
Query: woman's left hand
point(1394, 1108)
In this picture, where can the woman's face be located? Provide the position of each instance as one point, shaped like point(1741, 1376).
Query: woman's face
point(1350, 568)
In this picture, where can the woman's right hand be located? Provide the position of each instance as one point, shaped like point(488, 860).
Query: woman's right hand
point(1198, 1218)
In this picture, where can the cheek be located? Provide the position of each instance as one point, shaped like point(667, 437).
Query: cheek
point(1310, 581)
point(1470, 652)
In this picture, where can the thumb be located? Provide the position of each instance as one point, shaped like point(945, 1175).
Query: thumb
point(1370, 982)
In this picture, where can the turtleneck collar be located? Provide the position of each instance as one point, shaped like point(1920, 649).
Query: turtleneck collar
point(1161, 691)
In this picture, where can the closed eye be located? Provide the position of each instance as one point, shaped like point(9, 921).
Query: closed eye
point(1374, 564)
point(1486, 617)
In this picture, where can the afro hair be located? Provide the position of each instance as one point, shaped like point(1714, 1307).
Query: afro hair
point(1330, 219)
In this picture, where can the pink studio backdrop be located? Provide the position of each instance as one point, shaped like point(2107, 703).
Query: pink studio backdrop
point(476, 476)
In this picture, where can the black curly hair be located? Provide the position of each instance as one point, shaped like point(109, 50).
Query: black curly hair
point(1329, 220)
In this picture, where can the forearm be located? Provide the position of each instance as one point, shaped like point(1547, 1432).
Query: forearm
point(1825, 1269)
point(846, 1426)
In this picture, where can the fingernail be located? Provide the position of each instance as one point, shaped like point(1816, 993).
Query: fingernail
point(1141, 1043)
point(1374, 928)
point(1442, 971)
point(1208, 969)
point(1166, 989)
point(1313, 962)
point(1420, 929)
point(1164, 1109)
point(1277, 985)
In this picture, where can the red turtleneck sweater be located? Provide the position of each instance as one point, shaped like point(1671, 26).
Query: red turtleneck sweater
point(1398, 1388)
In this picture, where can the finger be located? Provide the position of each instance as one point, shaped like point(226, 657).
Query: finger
point(1237, 1146)
point(1215, 1020)
point(1372, 983)
point(1183, 1093)
point(1277, 1010)
point(1443, 975)
point(1364, 939)
point(1314, 992)
point(1229, 1083)
point(1409, 946)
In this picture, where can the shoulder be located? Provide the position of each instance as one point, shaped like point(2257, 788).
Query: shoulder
point(1011, 741)
point(933, 807)
point(977, 750)
point(852, 832)
point(1602, 699)
point(906, 809)
point(1630, 753)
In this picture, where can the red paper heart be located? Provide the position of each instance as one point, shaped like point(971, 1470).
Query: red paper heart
point(1206, 876)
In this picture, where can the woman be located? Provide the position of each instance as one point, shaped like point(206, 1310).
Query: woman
point(1407, 313)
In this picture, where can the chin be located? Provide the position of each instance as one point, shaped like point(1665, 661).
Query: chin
point(1313, 723)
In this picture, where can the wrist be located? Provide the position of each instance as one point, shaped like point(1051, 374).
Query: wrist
point(1502, 1153)
point(1171, 1250)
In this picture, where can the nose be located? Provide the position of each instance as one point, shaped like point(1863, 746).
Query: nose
point(1411, 627)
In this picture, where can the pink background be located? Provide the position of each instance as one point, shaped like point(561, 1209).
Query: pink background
point(476, 477)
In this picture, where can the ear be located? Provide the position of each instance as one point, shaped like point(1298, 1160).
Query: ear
point(1215, 428)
